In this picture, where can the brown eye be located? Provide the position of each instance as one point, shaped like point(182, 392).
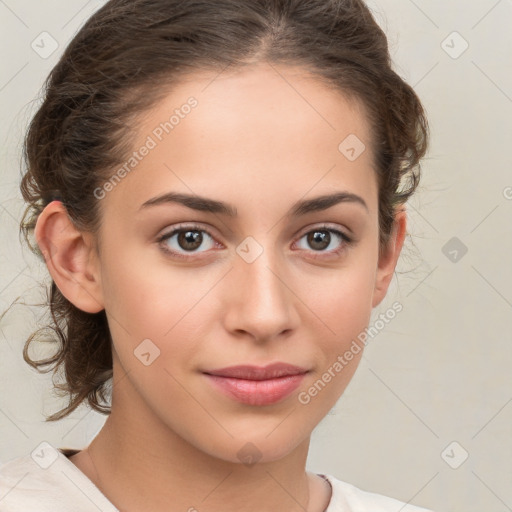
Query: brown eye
point(319, 239)
point(186, 239)
point(324, 240)
point(190, 240)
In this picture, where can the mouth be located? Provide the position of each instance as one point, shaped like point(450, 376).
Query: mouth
point(255, 385)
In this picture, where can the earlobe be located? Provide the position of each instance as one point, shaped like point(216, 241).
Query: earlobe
point(70, 258)
point(389, 258)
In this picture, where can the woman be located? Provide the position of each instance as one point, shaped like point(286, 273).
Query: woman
point(218, 192)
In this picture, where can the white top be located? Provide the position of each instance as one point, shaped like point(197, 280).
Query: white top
point(47, 481)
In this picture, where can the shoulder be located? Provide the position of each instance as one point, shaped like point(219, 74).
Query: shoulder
point(349, 498)
point(46, 481)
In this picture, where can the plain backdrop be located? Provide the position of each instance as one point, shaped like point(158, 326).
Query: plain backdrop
point(427, 417)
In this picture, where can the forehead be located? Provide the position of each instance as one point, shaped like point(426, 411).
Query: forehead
point(256, 133)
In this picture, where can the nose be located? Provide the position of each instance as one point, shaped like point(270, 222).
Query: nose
point(260, 302)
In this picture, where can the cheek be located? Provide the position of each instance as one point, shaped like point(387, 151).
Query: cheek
point(344, 307)
point(140, 294)
point(342, 299)
point(343, 303)
point(164, 304)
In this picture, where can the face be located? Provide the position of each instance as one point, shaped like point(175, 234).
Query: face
point(255, 282)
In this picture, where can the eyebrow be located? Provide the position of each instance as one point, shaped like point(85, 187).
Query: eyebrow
point(302, 207)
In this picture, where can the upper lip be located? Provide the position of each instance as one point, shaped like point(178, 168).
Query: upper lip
point(250, 372)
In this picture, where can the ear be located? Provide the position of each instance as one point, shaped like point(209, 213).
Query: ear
point(70, 258)
point(389, 257)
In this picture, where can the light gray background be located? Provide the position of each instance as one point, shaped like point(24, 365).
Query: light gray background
point(440, 371)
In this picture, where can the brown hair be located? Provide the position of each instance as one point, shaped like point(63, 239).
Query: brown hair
point(126, 57)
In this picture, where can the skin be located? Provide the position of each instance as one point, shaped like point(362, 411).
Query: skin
point(260, 139)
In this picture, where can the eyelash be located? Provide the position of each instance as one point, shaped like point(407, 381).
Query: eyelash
point(181, 228)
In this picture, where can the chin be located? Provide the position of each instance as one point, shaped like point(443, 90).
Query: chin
point(250, 449)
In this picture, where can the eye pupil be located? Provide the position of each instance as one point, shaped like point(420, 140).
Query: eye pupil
point(322, 238)
point(187, 238)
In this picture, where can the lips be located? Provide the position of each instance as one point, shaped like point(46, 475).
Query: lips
point(249, 372)
point(255, 385)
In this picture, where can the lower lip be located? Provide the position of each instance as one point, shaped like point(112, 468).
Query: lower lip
point(257, 392)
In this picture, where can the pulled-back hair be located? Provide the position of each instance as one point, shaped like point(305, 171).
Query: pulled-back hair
point(127, 57)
